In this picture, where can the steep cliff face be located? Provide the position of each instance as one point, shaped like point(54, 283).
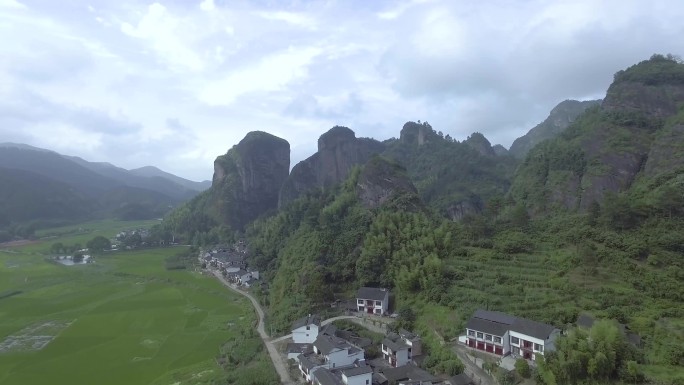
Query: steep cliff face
point(559, 119)
point(248, 178)
point(608, 148)
point(338, 151)
point(382, 181)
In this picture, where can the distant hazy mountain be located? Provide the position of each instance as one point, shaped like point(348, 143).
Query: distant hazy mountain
point(559, 119)
point(40, 184)
point(151, 171)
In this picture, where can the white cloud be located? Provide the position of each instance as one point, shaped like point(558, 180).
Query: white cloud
point(207, 5)
point(12, 4)
point(271, 73)
point(221, 69)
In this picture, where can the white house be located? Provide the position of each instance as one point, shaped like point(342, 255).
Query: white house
point(504, 334)
point(372, 300)
point(337, 352)
point(399, 348)
point(305, 330)
point(358, 374)
point(331, 353)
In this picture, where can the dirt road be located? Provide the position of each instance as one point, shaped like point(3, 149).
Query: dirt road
point(275, 356)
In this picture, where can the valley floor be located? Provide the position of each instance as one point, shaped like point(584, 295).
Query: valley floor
point(123, 319)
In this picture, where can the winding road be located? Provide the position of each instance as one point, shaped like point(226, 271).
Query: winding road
point(272, 351)
point(278, 361)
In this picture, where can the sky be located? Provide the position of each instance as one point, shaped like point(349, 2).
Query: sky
point(174, 84)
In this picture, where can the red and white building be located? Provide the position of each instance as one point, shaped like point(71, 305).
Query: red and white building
point(372, 300)
point(504, 334)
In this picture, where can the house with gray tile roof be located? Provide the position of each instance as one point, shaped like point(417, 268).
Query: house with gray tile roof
point(329, 352)
point(398, 349)
point(503, 334)
point(372, 300)
point(305, 329)
point(357, 374)
point(407, 374)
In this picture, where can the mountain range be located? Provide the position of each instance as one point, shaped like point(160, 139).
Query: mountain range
point(40, 184)
point(583, 215)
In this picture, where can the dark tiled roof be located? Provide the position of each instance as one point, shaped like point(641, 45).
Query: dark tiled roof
point(373, 293)
point(394, 342)
point(407, 372)
point(494, 316)
point(486, 326)
point(298, 348)
point(357, 371)
point(461, 379)
point(532, 328)
point(407, 335)
point(308, 320)
point(326, 377)
point(497, 323)
point(309, 360)
point(327, 344)
point(329, 329)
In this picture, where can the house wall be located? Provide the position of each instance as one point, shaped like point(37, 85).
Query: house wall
point(504, 344)
point(402, 357)
point(525, 337)
point(362, 379)
point(303, 336)
point(550, 343)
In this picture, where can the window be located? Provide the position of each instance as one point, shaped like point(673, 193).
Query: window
point(359, 301)
point(308, 328)
point(367, 382)
point(539, 348)
point(497, 340)
point(378, 303)
point(516, 350)
point(515, 340)
point(488, 337)
point(471, 333)
point(479, 335)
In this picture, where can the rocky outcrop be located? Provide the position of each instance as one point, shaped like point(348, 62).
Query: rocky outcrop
point(382, 181)
point(459, 210)
point(248, 178)
point(667, 152)
point(338, 151)
point(559, 119)
point(479, 143)
point(610, 147)
point(416, 133)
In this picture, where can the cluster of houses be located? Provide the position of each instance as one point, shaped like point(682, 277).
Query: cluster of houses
point(232, 263)
point(328, 356)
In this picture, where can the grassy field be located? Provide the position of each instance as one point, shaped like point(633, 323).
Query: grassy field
point(123, 320)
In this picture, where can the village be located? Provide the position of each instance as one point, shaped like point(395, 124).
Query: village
point(317, 352)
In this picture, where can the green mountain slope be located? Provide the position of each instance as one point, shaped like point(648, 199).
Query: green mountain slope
point(25, 196)
point(559, 119)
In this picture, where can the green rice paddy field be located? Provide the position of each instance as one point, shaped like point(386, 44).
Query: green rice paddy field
point(124, 319)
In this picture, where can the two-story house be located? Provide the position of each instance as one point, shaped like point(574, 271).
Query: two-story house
point(329, 352)
point(529, 338)
point(399, 348)
point(372, 300)
point(503, 334)
point(305, 330)
point(358, 374)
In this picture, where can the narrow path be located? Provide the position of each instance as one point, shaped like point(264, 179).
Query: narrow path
point(471, 369)
point(272, 351)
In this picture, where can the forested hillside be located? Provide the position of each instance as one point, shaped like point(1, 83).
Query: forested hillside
point(589, 223)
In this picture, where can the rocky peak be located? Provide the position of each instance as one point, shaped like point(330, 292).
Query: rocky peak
point(416, 133)
point(654, 88)
point(248, 178)
point(479, 143)
point(338, 151)
point(500, 150)
point(383, 181)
